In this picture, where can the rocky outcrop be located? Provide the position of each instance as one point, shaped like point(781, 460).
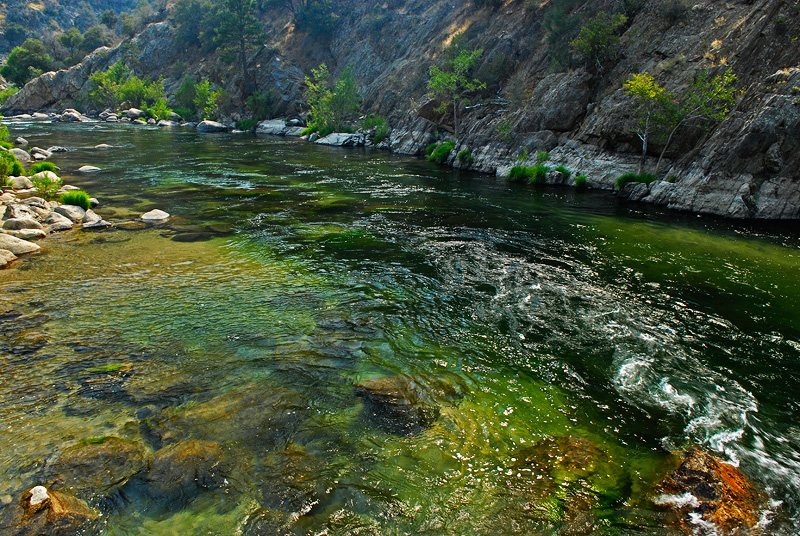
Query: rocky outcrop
point(706, 489)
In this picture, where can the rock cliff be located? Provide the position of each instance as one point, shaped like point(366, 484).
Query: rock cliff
point(746, 166)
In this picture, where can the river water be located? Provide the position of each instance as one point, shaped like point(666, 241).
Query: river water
point(568, 344)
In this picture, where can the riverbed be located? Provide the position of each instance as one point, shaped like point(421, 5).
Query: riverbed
point(568, 343)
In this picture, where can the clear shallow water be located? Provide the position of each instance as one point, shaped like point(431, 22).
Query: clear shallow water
point(568, 342)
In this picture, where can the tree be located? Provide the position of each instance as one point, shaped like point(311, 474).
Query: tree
point(452, 86)
point(332, 104)
point(598, 41)
point(194, 21)
point(72, 40)
point(94, 38)
point(26, 62)
point(207, 101)
point(109, 19)
point(237, 29)
point(706, 102)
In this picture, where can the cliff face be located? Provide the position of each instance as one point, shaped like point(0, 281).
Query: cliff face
point(744, 167)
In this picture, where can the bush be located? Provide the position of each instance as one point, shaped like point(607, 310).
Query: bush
point(47, 183)
point(645, 178)
point(246, 125)
point(380, 125)
point(530, 174)
point(316, 17)
point(207, 101)
point(9, 165)
point(519, 173)
point(260, 105)
point(465, 157)
point(159, 110)
point(538, 173)
point(430, 148)
point(441, 152)
point(6, 93)
point(78, 198)
point(597, 41)
point(581, 182)
point(42, 166)
point(673, 10)
point(185, 113)
point(332, 103)
point(564, 172)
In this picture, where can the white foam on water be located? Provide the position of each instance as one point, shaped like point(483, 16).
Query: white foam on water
point(678, 501)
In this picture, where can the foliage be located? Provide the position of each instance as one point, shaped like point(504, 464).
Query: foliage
point(465, 157)
point(184, 96)
point(519, 173)
point(79, 198)
point(673, 10)
point(260, 104)
point(237, 29)
point(36, 167)
point(94, 38)
point(562, 26)
point(452, 85)
point(47, 184)
point(185, 113)
point(26, 62)
point(523, 155)
point(430, 148)
point(207, 100)
point(503, 128)
point(106, 90)
point(441, 152)
point(246, 125)
point(6, 93)
point(538, 174)
point(194, 23)
point(564, 172)
point(645, 178)
point(10, 166)
point(109, 19)
point(379, 124)
point(542, 156)
point(707, 101)
point(581, 182)
point(332, 105)
point(530, 174)
point(159, 110)
point(315, 17)
point(598, 42)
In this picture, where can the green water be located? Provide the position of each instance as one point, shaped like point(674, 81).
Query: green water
point(569, 343)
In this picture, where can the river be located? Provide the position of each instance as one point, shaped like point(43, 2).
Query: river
point(554, 333)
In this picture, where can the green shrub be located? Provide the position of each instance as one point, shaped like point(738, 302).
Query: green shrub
point(185, 113)
point(8, 164)
point(260, 105)
point(246, 124)
point(76, 197)
point(598, 41)
point(646, 178)
point(542, 156)
point(430, 148)
point(42, 166)
point(159, 110)
point(564, 172)
point(581, 182)
point(441, 152)
point(465, 157)
point(47, 183)
point(538, 173)
point(380, 125)
point(6, 93)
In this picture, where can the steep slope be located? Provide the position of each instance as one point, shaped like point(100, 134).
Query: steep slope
point(744, 167)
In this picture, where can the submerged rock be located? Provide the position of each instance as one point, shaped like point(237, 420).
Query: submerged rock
point(96, 467)
point(705, 488)
point(396, 405)
point(292, 480)
point(340, 139)
point(180, 472)
point(6, 258)
point(43, 512)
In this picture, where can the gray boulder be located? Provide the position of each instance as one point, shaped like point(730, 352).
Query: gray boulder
point(14, 224)
point(20, 183)
point(166, 123)
point(57, 149)
point(37, 151)
point(103, 146)
point(21, 155)
point(139, 122)
point(273, 127)
point(88, 169)
point(28, 234)
point(339, 139)
point(58, 222)
point(135, 113)
point(154, 216)
point(73, 212)
point(22, 142)
point(6, 258)
point(40, 115)
point(211, 126)
point(17, 246)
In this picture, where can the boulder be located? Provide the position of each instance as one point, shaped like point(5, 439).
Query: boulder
point(273, 127)
point(396, 405)
point(705, 490)
point(73, 212)
point(29, 234)
point(170, 123)
point(212, 126)
point(40, 115)
point(16, 245)
point(135, 113)
point(151, 121)
point(88, 169)
point(13, 224)
point(37, 151)
point(103, 146)
point(112, 118)
point(21, 142)
point(57, 149)
point(90, 217)
point(71, 116)
point(96, 467)
point(20, 183)
point(99, 224)
point(139, 122)
point(43, 512)
point(7, 198)
point(21, 155)
point(27, 193)
point(340, 139)
point(20, 210)
point(6, 258)
point(180, 472)
point(154, 216)
point(175, 117)
point(58, 222)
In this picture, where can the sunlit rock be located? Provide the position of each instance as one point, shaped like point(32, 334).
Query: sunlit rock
point(17, 246)
point(154, 216)
point(88, 169)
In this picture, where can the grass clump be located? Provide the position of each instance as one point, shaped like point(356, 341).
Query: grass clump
point(645, 178)
point(538, 173)
point(47, 184)
point(430, 148)
point(564, 172)
point(530, 174)
point(581, 183)
point(78, 198)
point(465, 157)
point(380, 125)
point(518, 173)
point(10, 166)
point(247, 124)
point(440, 153)
point(42, 166)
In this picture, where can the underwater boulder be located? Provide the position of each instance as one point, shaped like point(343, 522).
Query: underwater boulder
point(43, 512)
point(396, 405)
point(703, 487)
point(266, 522)
point(96, 467)
point(291, 481)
